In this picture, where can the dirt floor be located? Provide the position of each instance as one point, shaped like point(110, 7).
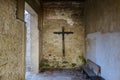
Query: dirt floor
point(56, 75)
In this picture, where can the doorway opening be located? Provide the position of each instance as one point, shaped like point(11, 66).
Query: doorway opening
point(32, 41)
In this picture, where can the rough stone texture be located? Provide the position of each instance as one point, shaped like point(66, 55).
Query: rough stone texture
point(71, 19)
point(11, 42)
point(102, 28)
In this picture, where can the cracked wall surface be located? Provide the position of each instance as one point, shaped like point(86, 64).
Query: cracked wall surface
point(11, 42)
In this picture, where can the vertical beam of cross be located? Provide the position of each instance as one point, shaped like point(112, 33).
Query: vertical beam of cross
point(63, 40)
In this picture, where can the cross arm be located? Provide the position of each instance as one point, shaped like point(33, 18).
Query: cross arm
point(57, 32)
point(68, 32)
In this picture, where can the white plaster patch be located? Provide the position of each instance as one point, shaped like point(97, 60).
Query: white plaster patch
point(70, 22)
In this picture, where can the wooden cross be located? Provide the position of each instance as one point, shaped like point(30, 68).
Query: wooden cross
point(63, 40)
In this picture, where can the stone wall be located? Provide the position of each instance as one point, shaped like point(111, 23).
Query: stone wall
point(102, 15)
point(72, 20)
point(103, 36)
point(11, 42)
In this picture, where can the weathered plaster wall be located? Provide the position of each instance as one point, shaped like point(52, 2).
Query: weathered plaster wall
point(103, 49)
point(103, 36)
point(54, 19)
point(102, 15)
point(11, 42)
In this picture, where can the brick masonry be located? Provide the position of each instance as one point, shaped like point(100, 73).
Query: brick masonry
point(72, 20)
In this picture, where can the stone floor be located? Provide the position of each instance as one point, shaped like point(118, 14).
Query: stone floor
point(56, 75)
